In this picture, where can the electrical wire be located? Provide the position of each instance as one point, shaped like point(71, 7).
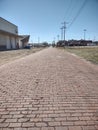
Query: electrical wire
point(78, 13)
point(67, 9)
point(72, 8)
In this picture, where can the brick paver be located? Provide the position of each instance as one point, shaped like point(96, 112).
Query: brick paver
point(49, 90)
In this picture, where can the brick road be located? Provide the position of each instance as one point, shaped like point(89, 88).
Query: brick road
point(49, 90)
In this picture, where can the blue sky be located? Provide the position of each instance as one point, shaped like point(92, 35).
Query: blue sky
point(43, 18)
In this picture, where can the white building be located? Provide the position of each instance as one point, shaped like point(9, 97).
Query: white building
point(9, 38)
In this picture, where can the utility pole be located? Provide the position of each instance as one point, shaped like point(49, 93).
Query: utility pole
point(61, 33)
point(32, 43)
point(94, 38)
point(38, 40)
point(58, 37)
point(64, 27)
point(54, 40)
point(84, 33)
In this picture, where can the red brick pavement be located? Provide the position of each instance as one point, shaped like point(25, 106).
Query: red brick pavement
point(49, 90)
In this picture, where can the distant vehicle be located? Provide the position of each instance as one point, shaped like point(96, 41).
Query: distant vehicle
point(28, 46)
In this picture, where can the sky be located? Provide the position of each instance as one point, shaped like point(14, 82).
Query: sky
point(42, 19)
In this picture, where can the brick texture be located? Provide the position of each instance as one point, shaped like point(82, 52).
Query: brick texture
point(49, 90)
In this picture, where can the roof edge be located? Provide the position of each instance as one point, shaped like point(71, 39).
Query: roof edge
point(8, 21)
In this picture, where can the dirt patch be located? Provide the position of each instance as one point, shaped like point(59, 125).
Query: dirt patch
point(7, 56)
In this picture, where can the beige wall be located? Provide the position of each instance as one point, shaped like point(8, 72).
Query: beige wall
point(8, 27)
point(13, 42)
point(2, 39)
point(20, 43)
point(8, 44)
point(9, 41)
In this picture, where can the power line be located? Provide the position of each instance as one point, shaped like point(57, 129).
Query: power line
point(68, 9)
point(78, 13)
point(63, 28)
point(71, 8)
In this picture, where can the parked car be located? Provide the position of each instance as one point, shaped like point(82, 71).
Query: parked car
point(28, 46)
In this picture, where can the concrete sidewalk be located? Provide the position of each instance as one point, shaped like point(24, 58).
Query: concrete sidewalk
point(49, 90)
